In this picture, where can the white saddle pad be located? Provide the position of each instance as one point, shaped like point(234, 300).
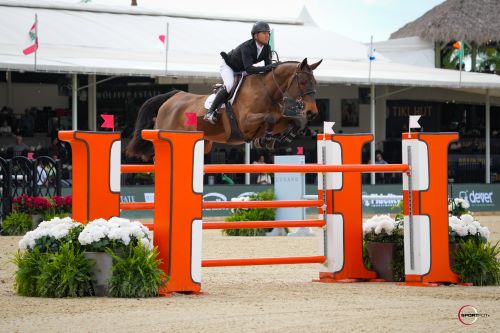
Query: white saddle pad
point(210, 98)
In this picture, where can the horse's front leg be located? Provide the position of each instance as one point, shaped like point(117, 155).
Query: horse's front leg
point(207, 146)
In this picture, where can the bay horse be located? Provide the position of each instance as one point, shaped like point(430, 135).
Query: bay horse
point(269, 109)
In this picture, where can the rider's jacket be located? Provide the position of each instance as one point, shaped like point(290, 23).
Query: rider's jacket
point(243, 58)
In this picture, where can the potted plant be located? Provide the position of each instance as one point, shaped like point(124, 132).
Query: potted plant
point(477, 262)
point(51, 263)
point(383, 237)
point(251, 214)
point(16, 224)
point(36, 207)
point(472, 257)
point(118, 243)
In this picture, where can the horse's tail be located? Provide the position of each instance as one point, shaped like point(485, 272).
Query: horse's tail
point(137, 147)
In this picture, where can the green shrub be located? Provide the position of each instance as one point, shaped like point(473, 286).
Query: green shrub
point(477, 262)
point(16, 224)
point(66, 273)
point(254, 214)
point(136, 273)
point(29, 266)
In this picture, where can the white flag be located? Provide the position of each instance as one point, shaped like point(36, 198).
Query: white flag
point(328, 127)
point(414, 122)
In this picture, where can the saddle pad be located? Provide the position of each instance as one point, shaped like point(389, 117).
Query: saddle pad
point(210, 98)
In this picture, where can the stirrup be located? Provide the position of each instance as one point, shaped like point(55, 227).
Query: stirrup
point(211, 117)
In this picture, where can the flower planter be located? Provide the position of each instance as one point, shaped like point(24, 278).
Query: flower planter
point(381, 257)
point(101, 271)
point(35, 220)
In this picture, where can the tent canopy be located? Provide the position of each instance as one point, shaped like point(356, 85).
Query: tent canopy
point(73, 39)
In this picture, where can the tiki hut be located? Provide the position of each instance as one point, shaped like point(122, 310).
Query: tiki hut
point(476, 22)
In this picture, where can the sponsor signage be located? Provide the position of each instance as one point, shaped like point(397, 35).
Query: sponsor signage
point(377, 199)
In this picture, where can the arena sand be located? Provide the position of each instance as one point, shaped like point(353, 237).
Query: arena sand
point(278, 298)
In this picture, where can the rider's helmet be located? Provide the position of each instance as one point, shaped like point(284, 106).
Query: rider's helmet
point(260, 26)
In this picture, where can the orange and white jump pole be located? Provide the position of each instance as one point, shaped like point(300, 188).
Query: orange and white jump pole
point(343, 235)
point(425, 194)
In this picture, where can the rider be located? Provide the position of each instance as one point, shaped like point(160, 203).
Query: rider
point(242, 59)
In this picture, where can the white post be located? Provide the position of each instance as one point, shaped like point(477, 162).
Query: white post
point(487, 134)
point(74, 95)
point(8, 77)
point(92, 102)
point(372, 129)
point(247, 161)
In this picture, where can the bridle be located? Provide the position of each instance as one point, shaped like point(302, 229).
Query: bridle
point(290, 106)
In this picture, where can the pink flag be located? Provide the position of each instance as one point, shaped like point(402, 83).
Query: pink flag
point(191, 119)
point(300, 150)
point(109, 121)
point(33, 39)
point(162, 38)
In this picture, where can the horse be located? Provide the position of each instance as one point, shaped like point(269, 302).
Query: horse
point(269, 109)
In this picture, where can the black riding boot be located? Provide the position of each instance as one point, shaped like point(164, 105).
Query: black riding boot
point(211, 115)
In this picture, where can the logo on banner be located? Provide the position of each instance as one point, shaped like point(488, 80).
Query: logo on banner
point(381, 201)
point(477, 198)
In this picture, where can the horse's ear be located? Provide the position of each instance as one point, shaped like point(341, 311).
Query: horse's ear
point(314, 66)
point(303, 64)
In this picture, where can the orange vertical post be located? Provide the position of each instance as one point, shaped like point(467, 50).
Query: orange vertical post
point(178, 206)
point(426, 235)
point(344, 211)
point(95, 174)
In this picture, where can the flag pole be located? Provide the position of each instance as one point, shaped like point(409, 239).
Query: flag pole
point(460, 55)
point(370, 57)
point(167, 41)
point(36, 36)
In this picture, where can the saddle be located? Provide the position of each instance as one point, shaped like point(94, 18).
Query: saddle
point(235, 132)
point(238, 79)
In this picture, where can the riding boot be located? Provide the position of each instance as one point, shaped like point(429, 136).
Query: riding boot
point(212, 113)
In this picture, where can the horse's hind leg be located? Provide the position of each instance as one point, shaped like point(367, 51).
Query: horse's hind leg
point(208, 146)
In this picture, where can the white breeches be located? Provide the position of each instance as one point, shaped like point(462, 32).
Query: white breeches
point(227, 75)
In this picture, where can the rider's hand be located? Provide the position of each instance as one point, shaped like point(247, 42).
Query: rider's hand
point(271, 66)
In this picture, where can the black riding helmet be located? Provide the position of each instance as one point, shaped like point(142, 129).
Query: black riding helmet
point(260, 27)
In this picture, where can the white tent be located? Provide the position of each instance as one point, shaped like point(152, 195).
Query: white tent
point(73, 39)
point(410, 51)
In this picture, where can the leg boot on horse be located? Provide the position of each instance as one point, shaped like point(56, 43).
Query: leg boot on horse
point(212, 113)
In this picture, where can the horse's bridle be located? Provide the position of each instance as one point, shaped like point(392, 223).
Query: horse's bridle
point(293, 107)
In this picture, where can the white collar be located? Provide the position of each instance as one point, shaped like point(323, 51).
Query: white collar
point(259, 48)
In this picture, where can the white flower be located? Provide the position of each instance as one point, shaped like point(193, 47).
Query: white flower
point(117, 229)
point(454, 220)
point(379, 223)
point(472, 229)
point(462, 231)
point(467, 218)
point(485, 232)
point(465, 204)
point(57, 228)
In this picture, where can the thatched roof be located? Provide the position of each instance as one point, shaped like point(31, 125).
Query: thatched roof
point(469, 20)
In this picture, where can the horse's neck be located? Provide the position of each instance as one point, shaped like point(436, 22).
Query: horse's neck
point(277, 82)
